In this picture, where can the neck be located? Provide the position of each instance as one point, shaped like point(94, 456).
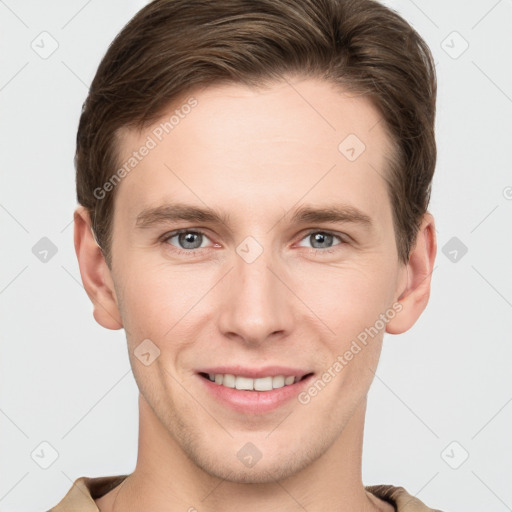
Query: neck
point(165, 479)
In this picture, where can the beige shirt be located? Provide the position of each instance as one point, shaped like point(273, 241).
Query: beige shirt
point(81, 496)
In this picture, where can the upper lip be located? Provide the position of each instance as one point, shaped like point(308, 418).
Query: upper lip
point(256, 373)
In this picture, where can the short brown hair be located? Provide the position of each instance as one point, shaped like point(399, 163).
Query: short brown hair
point(170, 46)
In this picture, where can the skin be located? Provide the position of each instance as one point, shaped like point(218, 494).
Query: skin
point(257, 155)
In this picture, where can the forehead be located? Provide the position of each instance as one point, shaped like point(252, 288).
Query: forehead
point(254, 148)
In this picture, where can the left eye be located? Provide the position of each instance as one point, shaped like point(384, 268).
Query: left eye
point(322, 238)
point(188, 239)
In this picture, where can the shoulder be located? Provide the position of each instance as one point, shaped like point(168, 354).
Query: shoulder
point(399, 498)
point(83, 492)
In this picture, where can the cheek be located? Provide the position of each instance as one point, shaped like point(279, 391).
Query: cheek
point(347, 300)
point(151, 304)
point(350, 303)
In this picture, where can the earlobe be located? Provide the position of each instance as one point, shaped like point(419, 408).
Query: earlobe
point(95, 273)
point(414, 296)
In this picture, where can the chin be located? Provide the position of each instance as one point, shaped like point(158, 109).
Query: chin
point(259, 474)
point(275, 466)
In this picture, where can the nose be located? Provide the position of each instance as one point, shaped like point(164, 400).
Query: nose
point(256, 303)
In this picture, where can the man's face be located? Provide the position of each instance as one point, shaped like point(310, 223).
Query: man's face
point(260, 294)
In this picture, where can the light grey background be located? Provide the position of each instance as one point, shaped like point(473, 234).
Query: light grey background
point(66, 381)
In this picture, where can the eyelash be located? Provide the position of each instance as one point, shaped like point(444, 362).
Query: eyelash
point(196, 252)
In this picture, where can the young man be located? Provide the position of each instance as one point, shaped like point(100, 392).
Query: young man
point(253, 180)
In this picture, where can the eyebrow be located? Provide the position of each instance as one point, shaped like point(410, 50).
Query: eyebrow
point(334, 213)
point(150, 217)
point(176, 212)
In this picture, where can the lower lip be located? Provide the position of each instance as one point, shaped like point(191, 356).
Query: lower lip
point(254, 402)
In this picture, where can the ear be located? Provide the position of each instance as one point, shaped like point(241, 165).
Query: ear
point(95, 273)
point(414, 294)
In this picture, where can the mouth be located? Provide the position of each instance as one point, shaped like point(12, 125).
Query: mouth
point(240, 382)
point(254, 392)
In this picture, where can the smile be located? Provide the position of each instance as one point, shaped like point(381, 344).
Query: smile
point(249, 384)
point(262, 392)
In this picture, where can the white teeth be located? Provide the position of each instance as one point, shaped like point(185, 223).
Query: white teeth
point(244, 383)
point(248, 384)
point(228, 380)
point(263, 384)
point(278, 381)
